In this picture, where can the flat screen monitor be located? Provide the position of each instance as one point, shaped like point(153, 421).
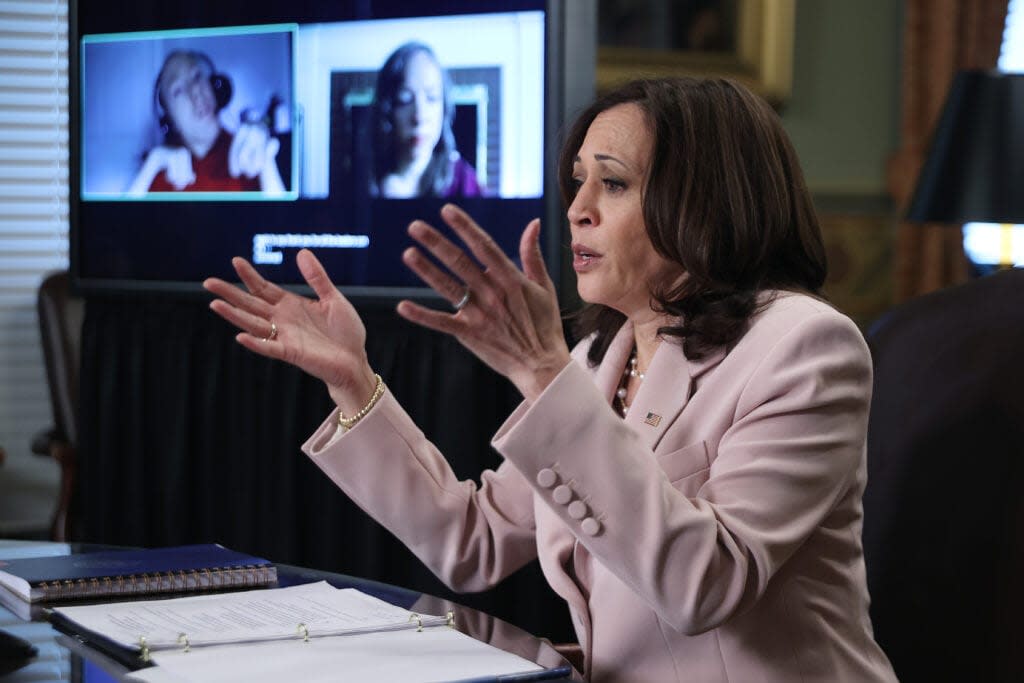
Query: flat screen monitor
point(204, 130)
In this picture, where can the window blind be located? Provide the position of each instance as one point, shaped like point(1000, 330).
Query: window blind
point(34, 197)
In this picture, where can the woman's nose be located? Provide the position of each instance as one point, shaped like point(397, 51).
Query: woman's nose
point(419, 107)
point(581, 210)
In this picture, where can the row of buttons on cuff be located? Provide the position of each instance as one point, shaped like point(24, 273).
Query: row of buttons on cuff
point(563, 495)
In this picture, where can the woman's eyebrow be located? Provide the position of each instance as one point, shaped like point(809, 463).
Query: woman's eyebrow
point(605, 157)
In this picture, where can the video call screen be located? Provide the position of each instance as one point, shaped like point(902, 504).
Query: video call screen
point(201, 136)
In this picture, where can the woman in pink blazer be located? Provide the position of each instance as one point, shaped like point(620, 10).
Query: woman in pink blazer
point(690, 475)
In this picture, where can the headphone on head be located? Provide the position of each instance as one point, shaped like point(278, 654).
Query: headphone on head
point(220, 83)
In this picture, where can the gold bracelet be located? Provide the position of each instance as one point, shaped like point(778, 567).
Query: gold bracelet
point(349, 422)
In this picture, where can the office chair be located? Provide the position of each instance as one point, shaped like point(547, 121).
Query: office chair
point(60, 327)
point(944, 504)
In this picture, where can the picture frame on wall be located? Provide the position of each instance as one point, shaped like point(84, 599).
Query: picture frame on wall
point(750, 41)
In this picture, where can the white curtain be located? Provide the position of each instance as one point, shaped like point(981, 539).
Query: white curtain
point(33, 222)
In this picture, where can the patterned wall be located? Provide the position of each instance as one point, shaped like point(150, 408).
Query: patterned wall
point(860, 252)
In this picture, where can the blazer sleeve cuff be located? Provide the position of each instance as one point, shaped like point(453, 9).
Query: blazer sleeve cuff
point(552, 424)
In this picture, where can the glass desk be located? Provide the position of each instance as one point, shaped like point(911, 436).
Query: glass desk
point(66, 658)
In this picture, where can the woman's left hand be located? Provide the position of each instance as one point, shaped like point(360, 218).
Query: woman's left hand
point(252, 148)
point(511, 320)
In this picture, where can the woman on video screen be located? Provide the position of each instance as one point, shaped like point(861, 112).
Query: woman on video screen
point(414, 146)
point(197, 153)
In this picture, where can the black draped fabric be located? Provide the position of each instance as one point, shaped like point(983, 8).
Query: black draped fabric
point(186, 437)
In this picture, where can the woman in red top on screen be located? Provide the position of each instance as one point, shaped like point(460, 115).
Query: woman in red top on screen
point(414, 146)
point(198, 154)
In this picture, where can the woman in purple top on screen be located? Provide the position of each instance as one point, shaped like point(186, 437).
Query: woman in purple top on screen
point(414, 146)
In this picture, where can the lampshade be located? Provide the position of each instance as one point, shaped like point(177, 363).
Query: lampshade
point(975, 166)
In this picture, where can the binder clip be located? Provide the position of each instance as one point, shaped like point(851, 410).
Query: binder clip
point(304, 632)
point(183, 640)
point(449, 619)
point(143, 649)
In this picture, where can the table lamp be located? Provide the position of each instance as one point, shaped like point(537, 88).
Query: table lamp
point(974, 171)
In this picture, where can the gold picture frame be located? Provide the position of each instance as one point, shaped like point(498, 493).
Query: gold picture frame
point(762, 58)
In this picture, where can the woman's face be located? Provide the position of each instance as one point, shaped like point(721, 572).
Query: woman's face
point(419, 107)
point(615, 263)
point(189, 99)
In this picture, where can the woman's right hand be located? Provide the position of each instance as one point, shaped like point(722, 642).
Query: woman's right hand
point(324, 336)
point(175, 162)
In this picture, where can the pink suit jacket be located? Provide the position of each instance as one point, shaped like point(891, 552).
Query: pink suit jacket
point(712, 535)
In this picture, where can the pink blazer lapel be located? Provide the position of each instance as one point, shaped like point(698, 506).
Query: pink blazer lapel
point(609, 372)
point(667, 386)
point(662, 395)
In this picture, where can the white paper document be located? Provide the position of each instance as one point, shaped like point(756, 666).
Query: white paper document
point(311, 610)
point(434, 654)
point(312, 632)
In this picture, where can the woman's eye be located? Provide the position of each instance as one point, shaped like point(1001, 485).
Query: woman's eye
point(613, 184)
point(575, 183)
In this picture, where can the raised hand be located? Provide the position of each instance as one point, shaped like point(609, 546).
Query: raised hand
point(252, 148)
point(176, 162)
point(508, 317)
point(178, 165)
point(323, 336)
point(253, 154)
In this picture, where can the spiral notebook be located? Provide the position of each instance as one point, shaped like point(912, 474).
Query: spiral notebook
point(181, 569)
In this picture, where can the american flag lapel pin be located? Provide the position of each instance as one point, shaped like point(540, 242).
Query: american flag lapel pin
point(652, 419)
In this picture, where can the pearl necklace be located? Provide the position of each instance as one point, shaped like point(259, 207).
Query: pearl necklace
point(630, 372)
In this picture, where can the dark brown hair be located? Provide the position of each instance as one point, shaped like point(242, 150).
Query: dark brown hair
point(724, 198)
point(437, 176)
